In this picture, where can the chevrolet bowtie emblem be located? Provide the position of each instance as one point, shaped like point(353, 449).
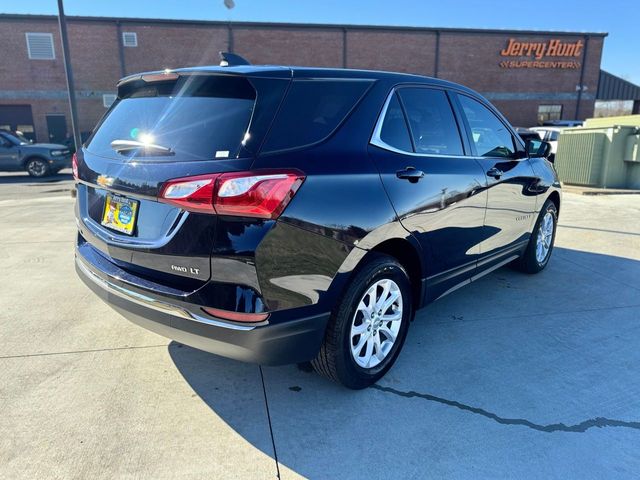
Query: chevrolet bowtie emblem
point(104, 181)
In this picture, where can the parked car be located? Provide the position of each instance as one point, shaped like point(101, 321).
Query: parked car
point(281, 214)
point(38, 159)
point(551, 136)
point(527, 134)
point(562, 123)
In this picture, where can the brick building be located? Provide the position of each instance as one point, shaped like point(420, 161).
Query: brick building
point(528, 75)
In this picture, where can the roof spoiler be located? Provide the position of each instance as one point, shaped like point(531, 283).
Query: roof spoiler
point(228, 59)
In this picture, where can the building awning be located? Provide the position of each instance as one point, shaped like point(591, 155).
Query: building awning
point(611, 87)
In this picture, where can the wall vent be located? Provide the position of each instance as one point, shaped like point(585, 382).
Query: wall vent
point(40, 46)
point(130, 39)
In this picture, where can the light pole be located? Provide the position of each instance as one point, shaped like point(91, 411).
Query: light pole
point(69, 74)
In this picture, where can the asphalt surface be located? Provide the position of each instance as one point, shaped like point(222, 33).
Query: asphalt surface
point(513, 376)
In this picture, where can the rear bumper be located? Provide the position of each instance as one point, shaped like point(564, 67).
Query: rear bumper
point(269, 343)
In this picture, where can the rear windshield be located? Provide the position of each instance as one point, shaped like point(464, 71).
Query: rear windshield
point(312, 110)
point(192, 118)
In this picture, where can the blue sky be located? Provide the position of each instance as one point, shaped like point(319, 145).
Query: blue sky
point(618, 18)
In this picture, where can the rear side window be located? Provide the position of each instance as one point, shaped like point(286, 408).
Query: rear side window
point(394, 128)
point(195, 117)
point(312, 110)
point(431, 121)
point(490, 136)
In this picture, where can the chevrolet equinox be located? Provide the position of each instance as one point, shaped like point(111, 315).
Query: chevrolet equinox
point(283, 215)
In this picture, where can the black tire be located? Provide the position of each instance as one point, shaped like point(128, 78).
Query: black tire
point(335, 360)
point(37, 168)
point(529, 263)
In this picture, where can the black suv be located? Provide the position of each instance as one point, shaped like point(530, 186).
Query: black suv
point(283, 214)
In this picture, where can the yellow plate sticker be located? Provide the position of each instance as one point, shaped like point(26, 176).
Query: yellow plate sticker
point(119, 213)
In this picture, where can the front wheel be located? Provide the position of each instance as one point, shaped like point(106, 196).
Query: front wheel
point(540, 246)
point(367, 330)
point(36, 167)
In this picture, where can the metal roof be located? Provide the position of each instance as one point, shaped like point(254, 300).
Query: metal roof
point(611, 87)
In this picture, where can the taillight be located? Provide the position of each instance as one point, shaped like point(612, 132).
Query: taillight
point(262, 194)
point(192, 193)
point(74, 165)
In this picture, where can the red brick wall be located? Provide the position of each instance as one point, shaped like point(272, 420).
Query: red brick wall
point(308, 47)
point(17, 72)
point(94, 55)
point(523, 113)
point(469, 58)
point(167, 46)
point(474, 60)
point(396, 51)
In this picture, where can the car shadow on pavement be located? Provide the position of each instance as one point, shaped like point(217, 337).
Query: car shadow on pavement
point(493, 378)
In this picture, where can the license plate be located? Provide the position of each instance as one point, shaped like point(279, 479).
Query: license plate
point(119, 213)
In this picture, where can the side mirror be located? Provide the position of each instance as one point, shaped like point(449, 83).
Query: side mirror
point(538, 148)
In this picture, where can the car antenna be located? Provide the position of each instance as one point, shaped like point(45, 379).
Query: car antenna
point(228, 59)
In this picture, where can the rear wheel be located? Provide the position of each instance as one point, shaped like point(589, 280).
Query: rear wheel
point(37, 167)
point(367, 330)
point(540, 246)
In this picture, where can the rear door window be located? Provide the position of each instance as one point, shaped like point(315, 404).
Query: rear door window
point(312, 110)
point(431, 121)
point(194, 117)
point(490, 136)
point(394, 130)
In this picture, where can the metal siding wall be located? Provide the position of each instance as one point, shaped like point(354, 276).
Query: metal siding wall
point(579, 157)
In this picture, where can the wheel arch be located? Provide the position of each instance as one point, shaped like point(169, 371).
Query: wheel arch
point(555, 198)
point(409, 256)
point(33, 156)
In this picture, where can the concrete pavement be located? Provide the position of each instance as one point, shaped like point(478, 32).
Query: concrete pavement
point(511, 376)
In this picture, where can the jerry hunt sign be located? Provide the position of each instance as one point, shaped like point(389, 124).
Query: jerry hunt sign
point(537, 54)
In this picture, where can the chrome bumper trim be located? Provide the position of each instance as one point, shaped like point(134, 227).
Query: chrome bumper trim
point(152, 303)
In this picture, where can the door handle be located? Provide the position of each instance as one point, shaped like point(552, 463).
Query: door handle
point(495, 172)
point(411, 174)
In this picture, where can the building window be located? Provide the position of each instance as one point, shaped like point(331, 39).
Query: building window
point(108, 99)
point(549, 112)
point(40, 46)
point(130, 39)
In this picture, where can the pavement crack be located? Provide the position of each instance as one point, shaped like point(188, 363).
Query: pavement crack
point(266, 405)
point(443, 320)
point(599, 422)
point(72, 352)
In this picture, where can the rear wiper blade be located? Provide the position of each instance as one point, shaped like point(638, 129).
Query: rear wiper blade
point(122, 146)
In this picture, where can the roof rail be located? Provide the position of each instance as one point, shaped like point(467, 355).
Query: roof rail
point(228, 59)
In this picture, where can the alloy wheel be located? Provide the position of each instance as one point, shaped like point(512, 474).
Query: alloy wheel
point(376, 323)
point(37, 168)
point(545, 237)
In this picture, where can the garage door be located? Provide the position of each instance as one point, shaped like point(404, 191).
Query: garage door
point(17, 117)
